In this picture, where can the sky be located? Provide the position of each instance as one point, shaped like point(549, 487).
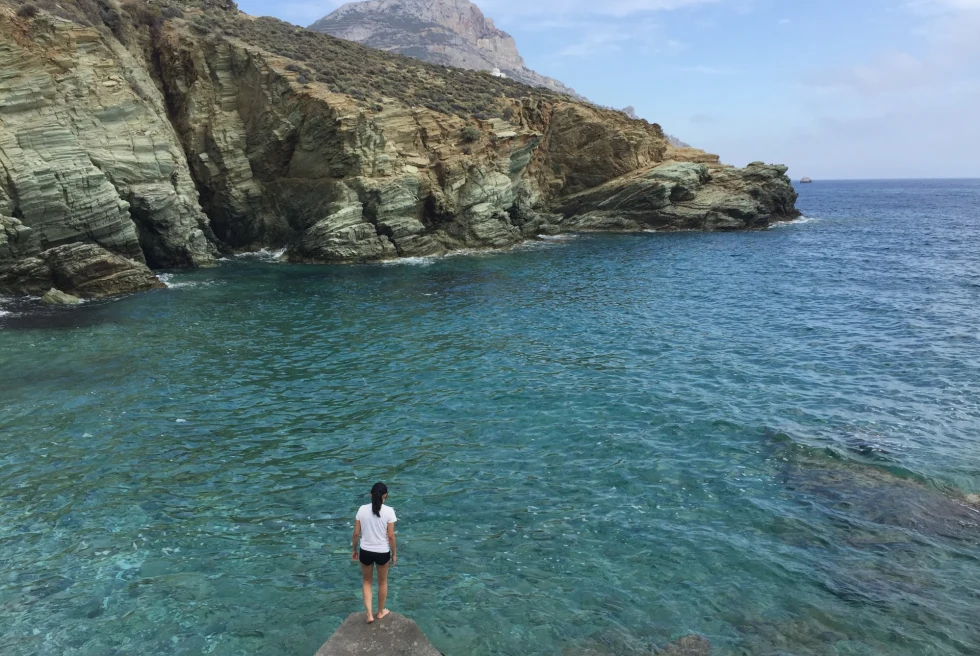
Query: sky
point(835, 89)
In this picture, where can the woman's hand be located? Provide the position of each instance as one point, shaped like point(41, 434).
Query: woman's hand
point(353, 556)
point(394, 560)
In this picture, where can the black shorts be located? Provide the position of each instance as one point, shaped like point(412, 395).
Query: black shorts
point(371, 558)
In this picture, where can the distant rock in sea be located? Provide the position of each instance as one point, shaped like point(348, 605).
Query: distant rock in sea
point(806, 180)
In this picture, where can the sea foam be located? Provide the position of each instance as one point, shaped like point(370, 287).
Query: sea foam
point(794, 222)
point(173, 281)
point(264, 254)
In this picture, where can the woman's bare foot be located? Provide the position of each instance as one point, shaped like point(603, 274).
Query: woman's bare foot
point(383, 613)
point(370, 618)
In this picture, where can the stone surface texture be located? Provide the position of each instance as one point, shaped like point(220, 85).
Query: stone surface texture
point(84, 270)
point(57, 297)
point(394, 635)
point(184, 143)
point(450, 32)
point(683, 196)
point(692, 645)
point(86, 150)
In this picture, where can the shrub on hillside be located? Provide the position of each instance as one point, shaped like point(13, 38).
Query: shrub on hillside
point(369, 75)
point(470, 134)
point(344, 67)
point(28, 10)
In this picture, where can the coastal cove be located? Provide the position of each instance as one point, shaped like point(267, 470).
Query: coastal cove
point(595, 444)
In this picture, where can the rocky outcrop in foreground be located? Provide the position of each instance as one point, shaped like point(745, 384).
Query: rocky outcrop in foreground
point(161, 137)
point(394, 635)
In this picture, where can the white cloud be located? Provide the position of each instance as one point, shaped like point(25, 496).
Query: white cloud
point(710, 70)
point(298, 13)
point(554, 13)
point(889, 71)
point(890, 115)
point(901, 143)
point(604, 36)
point(616, 8)
point(947, 44)
point(940, 6)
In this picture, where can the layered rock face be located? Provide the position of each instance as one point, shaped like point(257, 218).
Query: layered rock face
point(88, 270)
point(87, 153)
point(685, 196)
point(450, 32)
point(194, 139)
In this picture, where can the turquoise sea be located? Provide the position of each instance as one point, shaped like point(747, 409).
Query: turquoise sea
point(598, 443)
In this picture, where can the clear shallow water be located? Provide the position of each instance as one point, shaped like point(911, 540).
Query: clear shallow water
point(599, 443)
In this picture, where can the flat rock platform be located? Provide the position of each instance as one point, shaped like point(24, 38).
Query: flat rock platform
point(394, 635)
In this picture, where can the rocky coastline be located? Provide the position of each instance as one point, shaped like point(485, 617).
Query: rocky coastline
point(175, 133)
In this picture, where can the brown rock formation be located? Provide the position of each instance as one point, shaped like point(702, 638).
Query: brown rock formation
point(83, 270)
point(683, 196)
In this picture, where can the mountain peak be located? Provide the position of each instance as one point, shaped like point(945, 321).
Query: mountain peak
point(450, 32)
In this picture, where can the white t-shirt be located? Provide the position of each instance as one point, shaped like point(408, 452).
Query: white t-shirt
point(374, 529)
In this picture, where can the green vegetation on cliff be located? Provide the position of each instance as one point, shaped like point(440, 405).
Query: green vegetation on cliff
point(344, 67)
point(370, 75)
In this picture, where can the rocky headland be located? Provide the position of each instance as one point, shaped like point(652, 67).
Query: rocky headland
point(143, 136)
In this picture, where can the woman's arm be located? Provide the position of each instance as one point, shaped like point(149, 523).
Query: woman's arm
point(357, 534)
point(391, 542)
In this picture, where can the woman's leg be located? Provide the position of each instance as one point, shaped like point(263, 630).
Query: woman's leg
point(382, 590)
point(367, 572)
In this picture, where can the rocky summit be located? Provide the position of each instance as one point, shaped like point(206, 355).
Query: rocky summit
point(449, 32)
point(164, 134)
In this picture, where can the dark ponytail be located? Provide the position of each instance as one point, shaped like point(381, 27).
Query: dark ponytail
point(378, 493)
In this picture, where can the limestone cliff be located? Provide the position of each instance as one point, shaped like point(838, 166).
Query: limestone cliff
point(451, 32)
point(194, 130)
point(87, 154)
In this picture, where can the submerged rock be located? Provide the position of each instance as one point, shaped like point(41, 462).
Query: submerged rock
point(692, 645)
point(885, 508)
point(395, 635)
point(57, 297)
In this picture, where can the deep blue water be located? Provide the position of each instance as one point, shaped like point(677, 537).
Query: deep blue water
point(600, 443)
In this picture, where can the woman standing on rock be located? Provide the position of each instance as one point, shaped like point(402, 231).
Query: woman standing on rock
point(375, 526)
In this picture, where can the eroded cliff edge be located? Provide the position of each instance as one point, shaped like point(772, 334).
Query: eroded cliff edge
point(162, 135)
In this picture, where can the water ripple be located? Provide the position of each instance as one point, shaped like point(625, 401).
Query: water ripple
point(594, 445)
